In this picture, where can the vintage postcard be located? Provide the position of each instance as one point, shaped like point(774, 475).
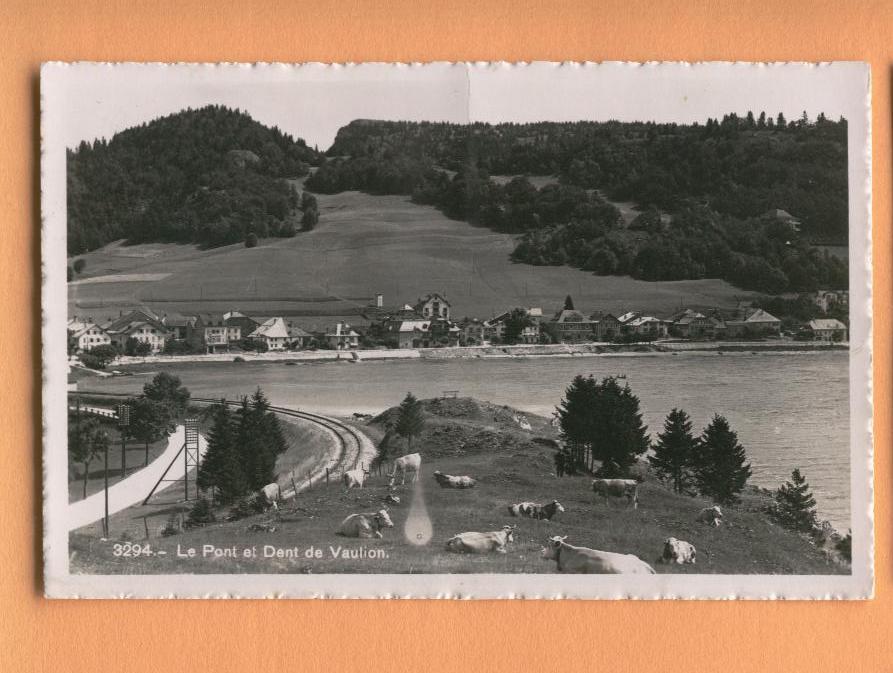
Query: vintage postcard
point(457, 330)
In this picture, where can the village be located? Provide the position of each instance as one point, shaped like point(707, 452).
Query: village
point(430, 323)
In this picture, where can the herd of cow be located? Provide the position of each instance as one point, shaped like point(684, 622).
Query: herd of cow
point(569, 558)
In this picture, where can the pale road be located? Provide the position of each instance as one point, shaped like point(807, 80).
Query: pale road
point(134, 488)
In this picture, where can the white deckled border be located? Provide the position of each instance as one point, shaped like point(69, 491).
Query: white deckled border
point(503, 90)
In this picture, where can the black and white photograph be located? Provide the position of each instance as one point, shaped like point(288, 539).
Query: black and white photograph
point(480, 330)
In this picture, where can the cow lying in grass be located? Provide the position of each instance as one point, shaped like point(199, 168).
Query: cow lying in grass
point(678, 551)
point(366, 524)
point(571, 559)
point(481, 543)
point(618, 488)
point(449, 481)
point(534, 510)
point(711, 515)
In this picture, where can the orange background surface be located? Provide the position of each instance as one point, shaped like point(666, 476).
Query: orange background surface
point(162, 636)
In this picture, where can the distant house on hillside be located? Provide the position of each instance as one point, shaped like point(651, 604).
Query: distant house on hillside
point(211, 334)
point(178, 326)
point(273, 333)
point(827, 299)
point(828, 329)
point(342, 337)
point(690, 324)
point(141, 325)
point(757, 323)
point(433, 306)
point(569, 326)
point(298, 338)
point(238, 319)
point(473, 332)
point(785, 217)
point(645, 326)
point(605, 326)
point(530, 334)
point(414, 334)
point(86, 335)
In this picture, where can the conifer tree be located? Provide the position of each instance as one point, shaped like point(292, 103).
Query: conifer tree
point(568, 303)
point(795, 504)
point(675, 452)
point(721, 469)
point(221, 468)
point(410, 420)
point(604, 420)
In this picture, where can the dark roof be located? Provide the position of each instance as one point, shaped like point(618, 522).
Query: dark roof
point(123, 322)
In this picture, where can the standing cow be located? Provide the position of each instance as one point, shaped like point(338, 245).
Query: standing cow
point(411, 462)
point(618, 488)
point(534, 510)
point(356, 477)
point(270, 495)
point(571, 559)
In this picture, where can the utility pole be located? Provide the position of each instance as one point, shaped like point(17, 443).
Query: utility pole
point(123, 424)
point(105, 475)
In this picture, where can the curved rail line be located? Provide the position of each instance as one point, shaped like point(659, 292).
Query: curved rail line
point(351, 444)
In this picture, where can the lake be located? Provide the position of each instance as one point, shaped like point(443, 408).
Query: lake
point(790, 410)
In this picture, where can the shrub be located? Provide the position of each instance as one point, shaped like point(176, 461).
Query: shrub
point(845, 547)
point(238, 358)
point(99, 357)
point(251, 240)
point(795, 504)
point(79, 265)
point(246, 506)
point(201, 514)
point(172, 526)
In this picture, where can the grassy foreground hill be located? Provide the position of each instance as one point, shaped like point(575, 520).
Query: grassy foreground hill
point(511, 464)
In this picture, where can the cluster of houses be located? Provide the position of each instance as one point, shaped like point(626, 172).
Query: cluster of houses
point(428, 323)
point(425, 324)
point(202, 333)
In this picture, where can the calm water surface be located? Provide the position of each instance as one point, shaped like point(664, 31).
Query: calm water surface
point(789, 410)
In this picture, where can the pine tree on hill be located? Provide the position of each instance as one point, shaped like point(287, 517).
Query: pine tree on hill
point(795, 504)
point(675, 452)
point(221, 468)
point(259, 439)
point(602, 421)
point(568, 303)
point(410, 420)
point(721, 468)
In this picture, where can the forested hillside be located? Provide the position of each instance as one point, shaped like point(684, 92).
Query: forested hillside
point(721, 188)
point(210, 176)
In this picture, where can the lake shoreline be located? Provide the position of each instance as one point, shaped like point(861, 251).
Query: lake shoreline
point(492, 352)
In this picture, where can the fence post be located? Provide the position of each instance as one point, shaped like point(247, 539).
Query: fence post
point(327, 475)
point(309, 481)
point(146, 526)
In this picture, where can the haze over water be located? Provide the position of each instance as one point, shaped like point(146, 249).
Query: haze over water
point(789, 410)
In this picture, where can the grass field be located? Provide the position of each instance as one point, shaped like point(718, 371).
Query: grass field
point(482, 440)
point(364, 244)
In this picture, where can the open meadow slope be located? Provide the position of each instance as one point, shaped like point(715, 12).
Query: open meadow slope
point(363, 244)
point(511, 464)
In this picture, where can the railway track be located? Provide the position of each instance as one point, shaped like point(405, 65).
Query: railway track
point(353, 448)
